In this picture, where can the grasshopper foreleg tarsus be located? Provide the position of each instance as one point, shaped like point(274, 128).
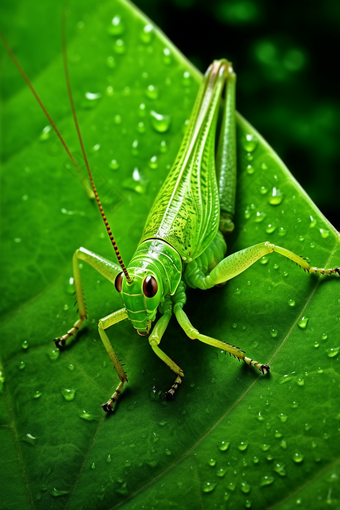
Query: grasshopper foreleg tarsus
point(155, 339)
point(103, 324)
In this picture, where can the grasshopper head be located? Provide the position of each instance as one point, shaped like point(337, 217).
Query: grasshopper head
point(141, 296)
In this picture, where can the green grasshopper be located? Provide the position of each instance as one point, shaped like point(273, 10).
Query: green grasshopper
point(182, 243)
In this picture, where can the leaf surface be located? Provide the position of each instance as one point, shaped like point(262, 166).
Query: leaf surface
point(231, 434)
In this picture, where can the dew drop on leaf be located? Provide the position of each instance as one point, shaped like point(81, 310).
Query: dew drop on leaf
point(68, 394)
point(208, 486)
point(276, 197)
point(159, 122)
point(303, 322)
point(119, 47)
point(249, 142)
point(298, 458)
point(266, 480)
point(167, 57)
point(147, 34)
point(116, 27)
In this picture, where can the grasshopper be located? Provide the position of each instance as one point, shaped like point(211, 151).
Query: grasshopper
point(183, 241)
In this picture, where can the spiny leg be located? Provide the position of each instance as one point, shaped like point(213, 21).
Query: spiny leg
point(103, 324)
point(103, 266)
point(155, 339)
point(238, 262)
point(194, 334)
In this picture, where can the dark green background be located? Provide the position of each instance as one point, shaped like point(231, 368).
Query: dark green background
point(286, 56)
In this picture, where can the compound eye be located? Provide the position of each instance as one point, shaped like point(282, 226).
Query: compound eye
point(119, 281)
point(150, 286)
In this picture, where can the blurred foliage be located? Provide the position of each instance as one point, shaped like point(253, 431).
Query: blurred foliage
point(283, 55)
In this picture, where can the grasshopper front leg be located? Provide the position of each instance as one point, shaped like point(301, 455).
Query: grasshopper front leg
point(155, 339)
point(103, 266)
point(105, 323)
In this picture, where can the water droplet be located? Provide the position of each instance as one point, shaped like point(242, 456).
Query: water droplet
point(66, 307)
point(277, 434)
point(135, 150)
point(276, 197)
point(212, 462)
point(324, 336)
point(21, 365)
point(45, 134)
point(167, 451)
point(141, 127)
point(91, 100)
point(28, 438)
point(108, 459)
point(270, 228)
point(114, 165)
point(247, 503)
point(294, 405)
point(247, 214)
point(223, 446)
point(231, 486)
point(283, 444)
point(116, 27)
point(263, 190)
point(250, 169)
point(298, 457)
point(324, 233)
point(163, 147)
point(291, 302)
point(71, 367)
point(266, 480)
point(303, 322)
point(208, 486)
point(186, 79)
point(147, 34)
point(256, 460)
point(68, 394)
point(283, 417)
point(264, 260)
point(159, 122)
point(57, 493)
point(245, 487)
point(54, 354)
point(24, 344)
point(260, 216)
point(282, 231)
point(93, 466)
point(249, 143)
point(87, 416)
point(316, 344)
point(221, 472)
point(300, 382)
point(119, 47)
point(273, 332)
point(333, 351)
point(260, 417)
point(243, 446)
point(312, 222)
point(152, 92)
point(249, 156)
point(280, 469)
point(111, 62)
point(265, 447)
point(117, 119)
point(137, 183)
point(167, 56)
point(308, 426)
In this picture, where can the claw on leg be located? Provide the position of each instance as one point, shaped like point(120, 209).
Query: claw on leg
point(170, 395)
point(107, 406)
point(252, 363)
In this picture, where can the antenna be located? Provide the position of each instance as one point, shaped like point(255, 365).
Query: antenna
point(21, 71)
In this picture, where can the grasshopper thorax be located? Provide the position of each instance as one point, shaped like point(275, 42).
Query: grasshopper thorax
point(155, 272)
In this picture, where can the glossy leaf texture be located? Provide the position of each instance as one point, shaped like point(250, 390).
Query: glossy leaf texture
point(232, 437)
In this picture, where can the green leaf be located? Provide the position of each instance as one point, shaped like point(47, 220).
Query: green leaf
point(232, 437)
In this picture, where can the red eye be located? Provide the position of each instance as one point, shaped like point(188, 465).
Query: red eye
point(119, 281)
point(150, 286)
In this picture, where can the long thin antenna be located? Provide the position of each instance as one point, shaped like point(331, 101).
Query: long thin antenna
point(69, 153)
point(108, 228)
